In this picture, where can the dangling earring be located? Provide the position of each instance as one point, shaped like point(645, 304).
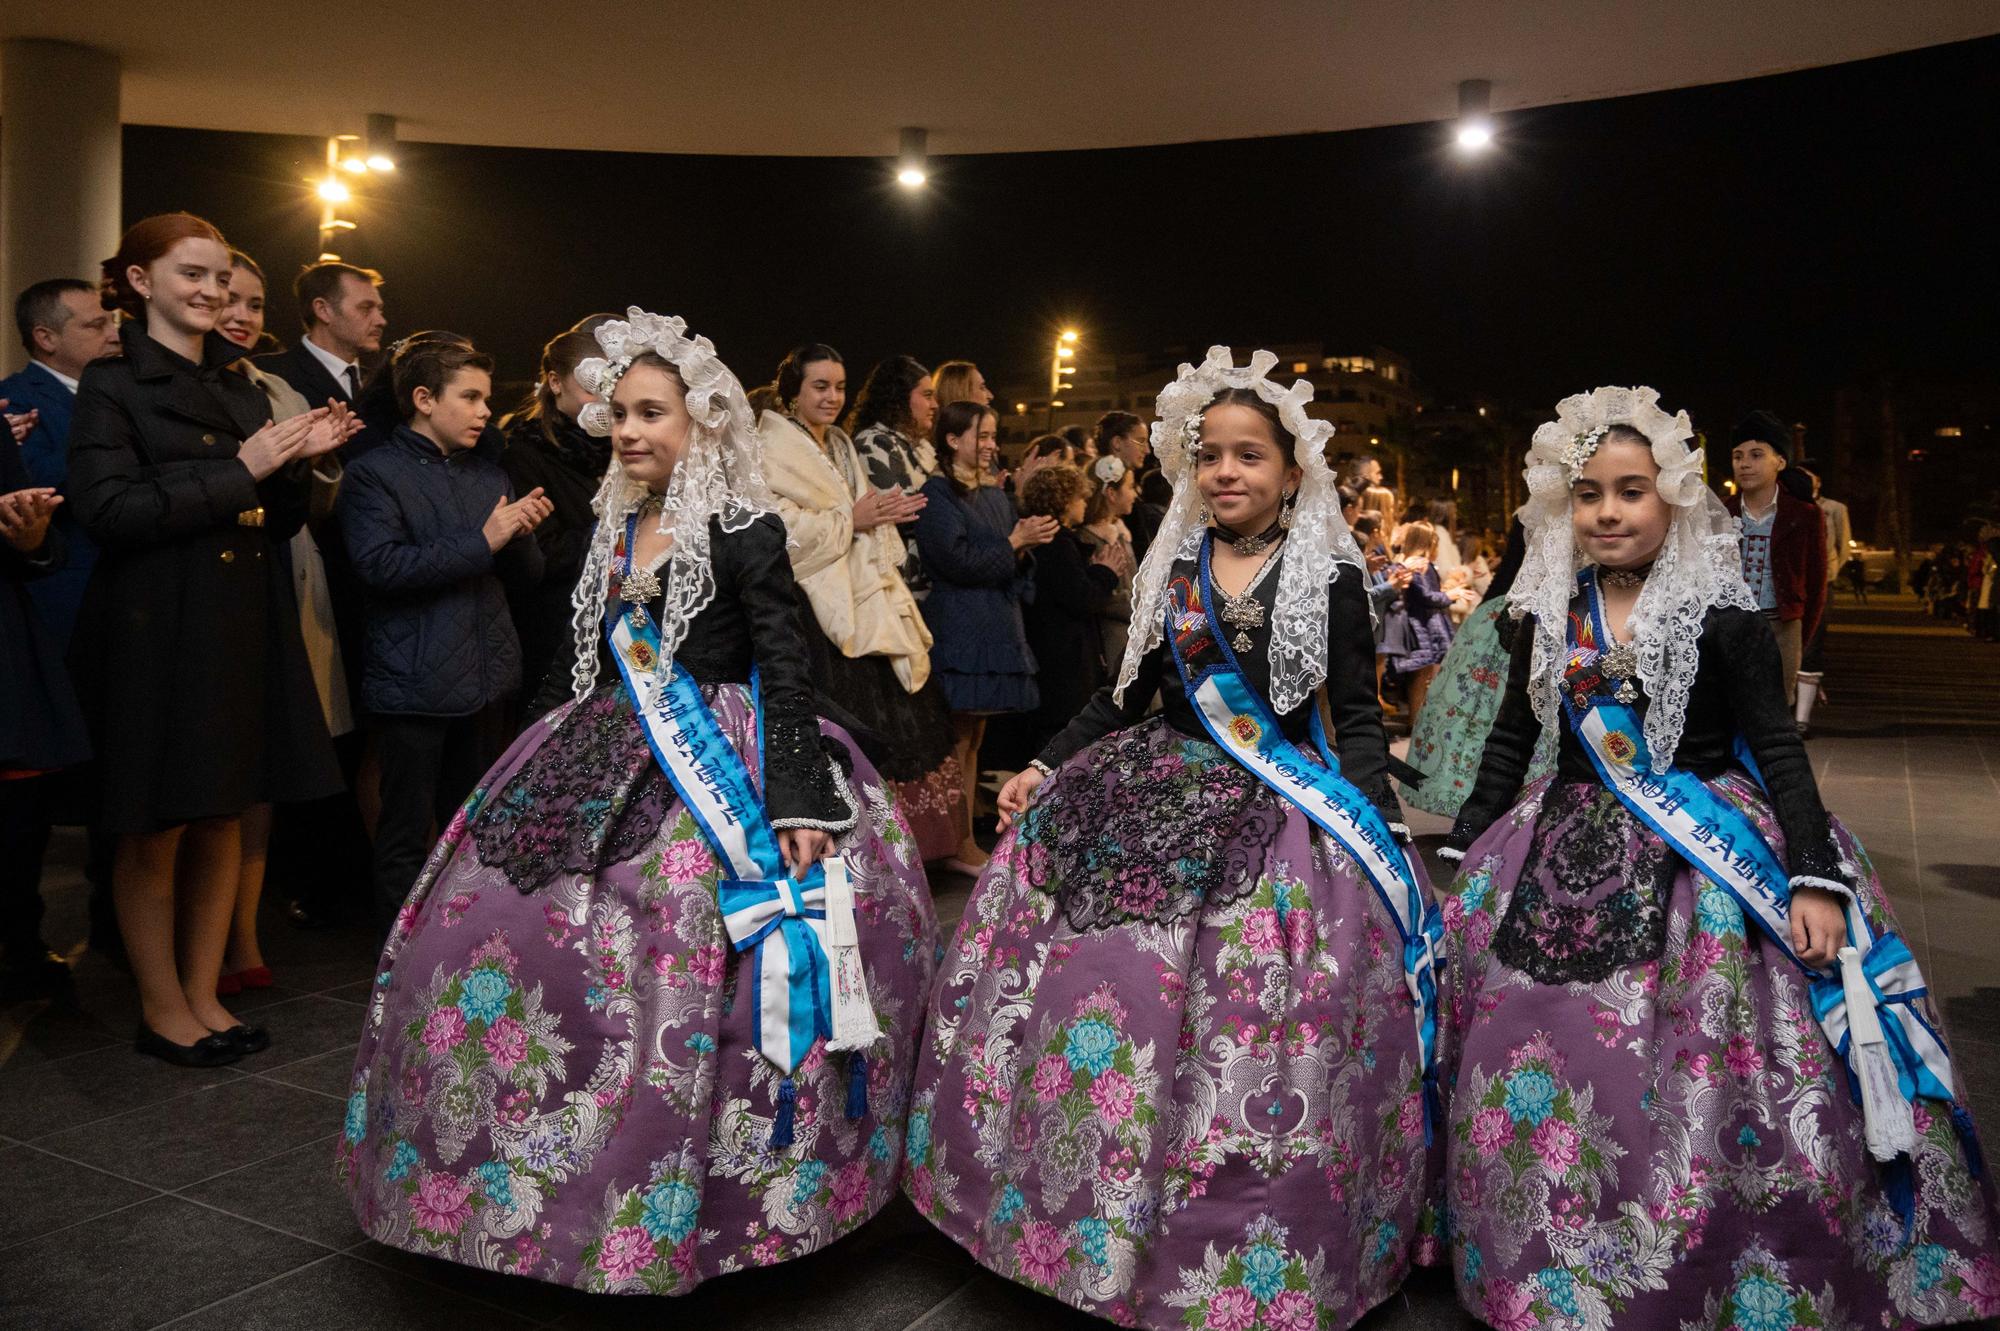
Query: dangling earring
point(1285, 510)
point(1202, 516)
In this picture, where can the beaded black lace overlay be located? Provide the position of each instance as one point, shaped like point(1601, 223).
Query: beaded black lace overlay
point(1593, 897)
point(1152, 826)
point(591, 795)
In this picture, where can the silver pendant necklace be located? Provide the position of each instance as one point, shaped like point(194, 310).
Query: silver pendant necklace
point(1244, 612)
point(1620, 659)
point(637, 585)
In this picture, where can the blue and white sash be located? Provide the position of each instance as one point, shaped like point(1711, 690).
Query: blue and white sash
point(1867, 1004)
point(1242, 724)
point(800, 933)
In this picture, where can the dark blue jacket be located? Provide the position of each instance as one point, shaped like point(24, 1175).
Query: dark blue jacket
point(46, 453)
point(978, 583)
point(440, 641)
point(41, 728)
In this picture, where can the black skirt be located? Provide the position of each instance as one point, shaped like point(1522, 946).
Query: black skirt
point(906, 735)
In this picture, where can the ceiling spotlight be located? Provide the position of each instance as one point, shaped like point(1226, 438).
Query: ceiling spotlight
point(381, 154)
point(913, 159)
point(333, 191)
point(1475, 124)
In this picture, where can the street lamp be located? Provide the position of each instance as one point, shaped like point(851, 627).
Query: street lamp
point(356, 156)
point(1060, 365)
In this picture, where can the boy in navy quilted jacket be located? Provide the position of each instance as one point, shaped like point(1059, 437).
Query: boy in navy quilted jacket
point(432, 528)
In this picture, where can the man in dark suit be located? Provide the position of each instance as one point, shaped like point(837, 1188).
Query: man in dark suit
point(341, 308)
point(63, 327)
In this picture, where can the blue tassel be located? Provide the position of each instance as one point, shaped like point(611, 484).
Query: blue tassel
point(1968, 1136)
point(1899, 1186)
point(1433, 1108)
point(857, 1087)
point(781, 1127)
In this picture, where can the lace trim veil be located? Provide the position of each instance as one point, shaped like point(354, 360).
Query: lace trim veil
point(720, 476)
point(1698, 567)
point(1319, 543)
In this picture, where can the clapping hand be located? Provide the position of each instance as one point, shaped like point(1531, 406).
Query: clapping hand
point(276, 444)
point(24, 517)
point(882, 507)
point(333, 425)
point(1031, 532)
point(1116, 556)
point(20, 424)
point(508, 520)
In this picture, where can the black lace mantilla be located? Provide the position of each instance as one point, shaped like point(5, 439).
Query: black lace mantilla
point(1593, 895)
point(1152, 827)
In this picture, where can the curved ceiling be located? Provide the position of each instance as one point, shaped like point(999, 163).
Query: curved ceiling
point(775, 78)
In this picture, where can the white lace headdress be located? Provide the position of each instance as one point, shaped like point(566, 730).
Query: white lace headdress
point(720, 476)
point(1319, 543)
point(1699, 565)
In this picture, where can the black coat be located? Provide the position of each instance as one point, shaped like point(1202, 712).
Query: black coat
point(187, 654)
point(1070, 592)
point(568, 472)
point(41, 729)
point(440, 640)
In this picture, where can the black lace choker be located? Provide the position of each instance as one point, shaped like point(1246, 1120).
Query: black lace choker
point(1253, 545)
point(1622, 577)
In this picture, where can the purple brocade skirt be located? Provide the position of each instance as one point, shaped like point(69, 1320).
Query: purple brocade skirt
point(560, 1082)
point(1172, 1075)
point(1648, 1128)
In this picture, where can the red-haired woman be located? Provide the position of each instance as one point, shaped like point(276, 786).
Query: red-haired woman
point(187, 654)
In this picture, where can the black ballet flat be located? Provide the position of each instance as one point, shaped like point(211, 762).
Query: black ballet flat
point(245, 1039)
point(211, 1052)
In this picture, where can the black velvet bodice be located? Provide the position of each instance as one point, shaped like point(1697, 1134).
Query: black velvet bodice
point(1355, 713)
point(751, 622)
point(1738, 689)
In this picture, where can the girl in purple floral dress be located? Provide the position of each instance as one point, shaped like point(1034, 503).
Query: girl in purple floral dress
point(1175, 1074)
point(1698, 1081)
point(562, 1073)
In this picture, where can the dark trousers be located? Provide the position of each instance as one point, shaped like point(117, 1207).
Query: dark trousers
point(319, 848)
point(429, 765)
point(24, 840)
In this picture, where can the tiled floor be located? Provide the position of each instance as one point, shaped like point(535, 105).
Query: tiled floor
point(133, 1195)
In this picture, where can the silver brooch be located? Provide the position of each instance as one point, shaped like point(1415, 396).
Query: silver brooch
point(639, 587)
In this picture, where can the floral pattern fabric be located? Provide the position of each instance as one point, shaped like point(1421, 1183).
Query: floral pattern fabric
point(1210, 1117)
point(1450, 733)
point(561, 1083)
point(1673, 1144)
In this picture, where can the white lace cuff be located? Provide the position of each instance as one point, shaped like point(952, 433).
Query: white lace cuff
point(846, 793)
point(1450, 854)
point(1841, 890)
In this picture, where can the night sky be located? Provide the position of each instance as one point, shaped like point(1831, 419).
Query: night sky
point(1756, 243)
